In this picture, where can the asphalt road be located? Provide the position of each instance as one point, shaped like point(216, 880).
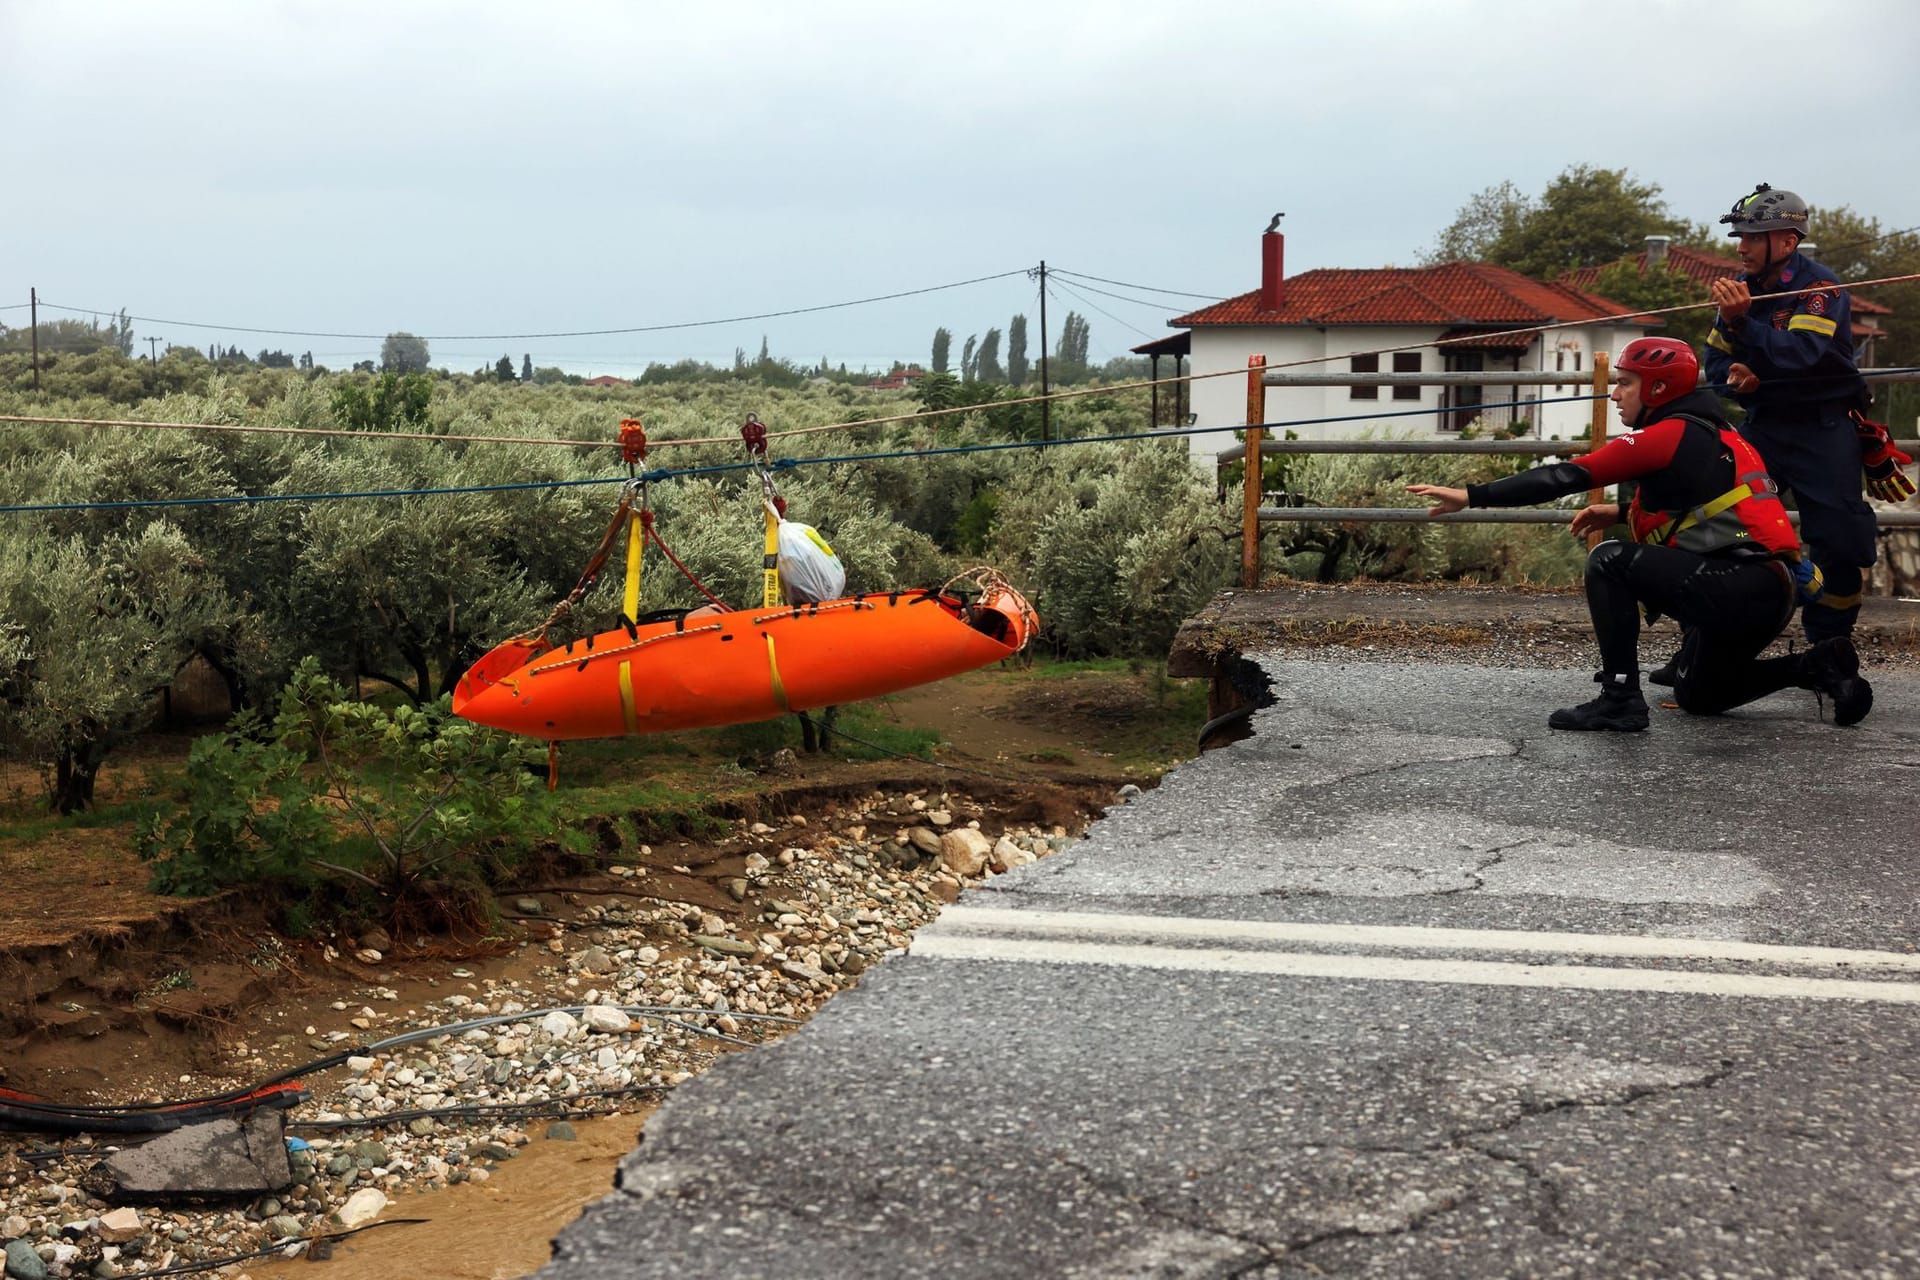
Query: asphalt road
point(1403, 985)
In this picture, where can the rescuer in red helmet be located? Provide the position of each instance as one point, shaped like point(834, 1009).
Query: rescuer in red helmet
point(1712, 548)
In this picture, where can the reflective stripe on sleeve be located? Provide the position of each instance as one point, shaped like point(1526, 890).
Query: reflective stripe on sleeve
point(1813, 324)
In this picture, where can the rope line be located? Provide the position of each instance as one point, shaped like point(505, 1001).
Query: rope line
point(781, 464)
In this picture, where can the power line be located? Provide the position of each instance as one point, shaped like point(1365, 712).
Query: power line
point(1069, 289)
point(1861, 244)
point(569, 333)
point(1145, 302)
point(1144, 288)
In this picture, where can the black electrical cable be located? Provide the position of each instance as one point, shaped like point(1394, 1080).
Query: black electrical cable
point(1128, 284)
point(208, 1264)
point(1161, 306)
point(570, 333)
point(478, 1109)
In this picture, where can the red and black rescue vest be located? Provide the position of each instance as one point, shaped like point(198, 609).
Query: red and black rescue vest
point(1749, 513)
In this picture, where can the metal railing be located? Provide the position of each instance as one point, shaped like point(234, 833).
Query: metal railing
point(1254, 512)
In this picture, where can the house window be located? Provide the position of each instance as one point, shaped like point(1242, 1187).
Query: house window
point(1406, 362)
point(1559, 362)
point(1364, 364)
point(1576, 362)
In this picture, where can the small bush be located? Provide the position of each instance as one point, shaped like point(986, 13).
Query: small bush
point(410, 803)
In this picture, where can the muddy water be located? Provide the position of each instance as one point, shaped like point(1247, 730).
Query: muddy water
point(499, 1229)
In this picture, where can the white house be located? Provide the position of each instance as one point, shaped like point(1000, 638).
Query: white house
point(1341, 313)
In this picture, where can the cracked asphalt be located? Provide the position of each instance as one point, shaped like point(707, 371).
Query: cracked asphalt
point(1341, 999)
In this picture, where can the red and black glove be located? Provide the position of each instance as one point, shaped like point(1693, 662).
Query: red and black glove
point(1882, 461)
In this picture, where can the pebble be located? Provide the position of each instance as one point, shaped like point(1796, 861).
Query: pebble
point(827, 913)
point(24, 1262)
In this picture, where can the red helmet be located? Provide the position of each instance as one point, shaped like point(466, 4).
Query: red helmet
point(1667, 361)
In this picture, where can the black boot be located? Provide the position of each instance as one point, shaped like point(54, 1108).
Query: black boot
point(1667, 674)
point(1832, 668)
point(1619, 707)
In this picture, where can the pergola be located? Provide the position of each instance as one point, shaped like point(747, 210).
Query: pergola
point(1179, 346)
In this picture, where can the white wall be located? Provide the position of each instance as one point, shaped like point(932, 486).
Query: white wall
point(1222, 401)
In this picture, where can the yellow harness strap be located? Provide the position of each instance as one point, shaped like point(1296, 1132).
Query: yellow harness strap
point(1701, 514)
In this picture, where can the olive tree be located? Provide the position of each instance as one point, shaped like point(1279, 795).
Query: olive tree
point(93, 628)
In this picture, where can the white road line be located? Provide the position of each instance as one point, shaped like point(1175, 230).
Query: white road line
point(1371, 968)
point(972, 921)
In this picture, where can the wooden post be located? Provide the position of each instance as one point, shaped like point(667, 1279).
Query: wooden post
point(1602, 387)
point(1250, 508)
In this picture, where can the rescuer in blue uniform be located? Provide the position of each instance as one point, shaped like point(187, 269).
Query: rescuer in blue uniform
point(1789, 362)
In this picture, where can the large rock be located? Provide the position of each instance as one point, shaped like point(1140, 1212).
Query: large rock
point(23, 1263)
point(217, 1158)
point(600, 1017)
point(117, 1226)
point(964, 851)
point(1007, 855)
point(363, 1205)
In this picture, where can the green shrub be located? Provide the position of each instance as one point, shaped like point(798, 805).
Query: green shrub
point(407, 802)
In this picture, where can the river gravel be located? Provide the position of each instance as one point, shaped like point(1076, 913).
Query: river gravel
point(627, 1001)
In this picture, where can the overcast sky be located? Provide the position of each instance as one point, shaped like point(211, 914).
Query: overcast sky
point(493, 168)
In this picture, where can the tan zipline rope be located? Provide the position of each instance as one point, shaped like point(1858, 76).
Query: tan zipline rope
point(925, 414)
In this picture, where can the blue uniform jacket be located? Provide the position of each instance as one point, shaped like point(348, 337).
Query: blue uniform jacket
point(1801, 348)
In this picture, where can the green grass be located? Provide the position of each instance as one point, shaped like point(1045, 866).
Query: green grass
point(28, 819)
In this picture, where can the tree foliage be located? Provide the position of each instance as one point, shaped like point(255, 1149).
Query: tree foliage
point(388, 402)
point(942, 349)
point(1627, 283)
point(92, 630)
point(403, 353)
point(1585, 217)
point(421, 808)
point(1070, 352)
point(1017, 351)
point(986, 361)
point(68, 336)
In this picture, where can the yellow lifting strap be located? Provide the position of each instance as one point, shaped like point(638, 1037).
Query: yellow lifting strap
point(1701, 514)
point(770, 570)
point(636, 552)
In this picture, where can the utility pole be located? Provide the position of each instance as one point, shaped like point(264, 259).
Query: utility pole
point(33, 301)
point(153, 349)
point(1046, 404)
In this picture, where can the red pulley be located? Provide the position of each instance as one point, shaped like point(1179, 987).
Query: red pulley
point(633, 441)
point(754, 433)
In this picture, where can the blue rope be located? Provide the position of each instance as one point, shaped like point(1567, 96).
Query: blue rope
point(789, 464)
point(237, 498)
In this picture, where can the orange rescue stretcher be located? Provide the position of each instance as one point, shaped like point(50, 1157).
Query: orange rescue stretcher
point(693, 669)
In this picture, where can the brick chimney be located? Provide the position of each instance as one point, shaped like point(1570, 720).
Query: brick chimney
point(1273, 261)
point(1657, 250)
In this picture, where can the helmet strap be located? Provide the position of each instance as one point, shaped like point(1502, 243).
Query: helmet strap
point(1773, 264)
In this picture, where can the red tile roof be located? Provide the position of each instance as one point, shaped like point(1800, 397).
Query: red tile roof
point(1703, 268)
point(1453, 293)
point(1481, 340)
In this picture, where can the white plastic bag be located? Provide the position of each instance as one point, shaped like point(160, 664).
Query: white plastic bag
point(809, 571)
